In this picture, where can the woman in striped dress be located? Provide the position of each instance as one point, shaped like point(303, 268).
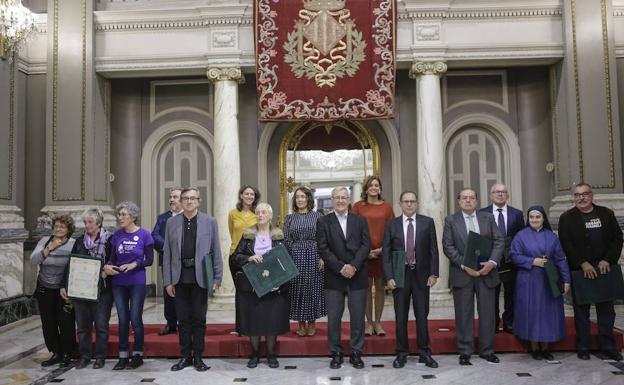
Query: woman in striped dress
point(307, 302)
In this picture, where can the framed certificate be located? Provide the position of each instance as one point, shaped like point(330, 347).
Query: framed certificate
point(84, 277)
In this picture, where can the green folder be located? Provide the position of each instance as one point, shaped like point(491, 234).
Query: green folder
point(398, 268)
point(552, 275)
point(276, 269)
point(478, 249)
point(209, 265)
point(606, 287)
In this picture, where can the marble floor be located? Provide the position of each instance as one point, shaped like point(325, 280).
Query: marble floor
point(22, 351)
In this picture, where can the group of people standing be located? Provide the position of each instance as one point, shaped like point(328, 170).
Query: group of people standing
point(345, 254)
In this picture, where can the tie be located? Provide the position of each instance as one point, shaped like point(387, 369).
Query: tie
point(411, 254)
point(501, 222)
point(471, 226)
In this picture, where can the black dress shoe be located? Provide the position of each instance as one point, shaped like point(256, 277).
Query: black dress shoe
point(583, 355)
point(336, 361)
point(428, 361)
point(273, 362)
point(508, 329)
point(253, 361)
point(399, 361)
point(615, 356)
point(167, 330)
point(135, 362)
point(536, 355)
point(82, 363)
point(490, 358)
point(464, 360)
point(65, 361)
point(121, 364)
point(547, 356)
point(199, 365)
point(99, 363)
point(55, 359)
point(356, 360)
point(183, 363)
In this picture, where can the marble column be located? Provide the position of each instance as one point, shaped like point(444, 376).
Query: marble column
point(77, 116)
point(357, 191)
point(226, 154)
point(430, 165)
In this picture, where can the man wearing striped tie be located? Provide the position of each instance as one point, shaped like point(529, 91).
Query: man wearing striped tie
point(467, 282)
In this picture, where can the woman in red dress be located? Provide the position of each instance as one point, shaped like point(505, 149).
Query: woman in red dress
point(377, 213)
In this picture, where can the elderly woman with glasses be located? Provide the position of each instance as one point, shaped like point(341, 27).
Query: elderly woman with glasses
point(57, 315)
point(132, 250)
point(95, 243)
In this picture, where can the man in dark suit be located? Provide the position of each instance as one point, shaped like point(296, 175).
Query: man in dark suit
point(190, 238)
point(416, 235)
point(509, 220)
point(159, 241)
point(592, 240)
point(467, 282)
point(344, 243)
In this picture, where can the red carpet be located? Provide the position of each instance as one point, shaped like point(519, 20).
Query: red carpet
point(219, 342)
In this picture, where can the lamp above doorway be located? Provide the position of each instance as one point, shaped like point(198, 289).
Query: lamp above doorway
point(16, 25)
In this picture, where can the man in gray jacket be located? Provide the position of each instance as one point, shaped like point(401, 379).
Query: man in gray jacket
point(189, 239)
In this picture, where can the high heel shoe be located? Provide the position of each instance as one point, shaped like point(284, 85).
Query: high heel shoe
point(302, 329)
point(311, 328)
point(379, 330)
point(368, 330)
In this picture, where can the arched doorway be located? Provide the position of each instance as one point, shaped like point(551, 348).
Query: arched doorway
point(325, 155)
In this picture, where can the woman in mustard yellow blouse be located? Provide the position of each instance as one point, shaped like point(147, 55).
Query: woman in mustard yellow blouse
point(240, 219)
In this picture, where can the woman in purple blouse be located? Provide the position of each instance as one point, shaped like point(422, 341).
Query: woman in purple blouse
point(132, 249)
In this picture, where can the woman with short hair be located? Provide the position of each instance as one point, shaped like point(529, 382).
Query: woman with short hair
point(266, 316)
point(94, 243)
point(57, 315)
point(132, 250)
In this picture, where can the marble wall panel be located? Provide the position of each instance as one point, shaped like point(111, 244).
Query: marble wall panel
point(12, 270)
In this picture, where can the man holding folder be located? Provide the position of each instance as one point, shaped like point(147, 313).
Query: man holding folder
point(410, 239)
point(190, 239)
point(468, 278)
point(592, 240)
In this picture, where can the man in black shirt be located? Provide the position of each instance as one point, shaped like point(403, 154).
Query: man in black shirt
point(592, 240)
point(190, 238)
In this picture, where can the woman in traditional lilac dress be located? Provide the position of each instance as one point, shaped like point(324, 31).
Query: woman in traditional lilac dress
point(538, 314)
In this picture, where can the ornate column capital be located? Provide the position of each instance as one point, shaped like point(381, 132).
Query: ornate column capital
point(215, 74)
point(427, 68)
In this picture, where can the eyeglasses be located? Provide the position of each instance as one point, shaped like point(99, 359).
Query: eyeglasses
point(499, 192)
point(340, 198)
point(189, 199)
point(467, 198)
point(409, 202)
point(586, 194)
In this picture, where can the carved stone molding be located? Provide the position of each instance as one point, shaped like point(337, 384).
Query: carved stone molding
point(427, 68)
point(427, 32)
point(216, 74)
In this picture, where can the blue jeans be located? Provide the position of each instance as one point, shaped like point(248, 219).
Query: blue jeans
point(129, 303)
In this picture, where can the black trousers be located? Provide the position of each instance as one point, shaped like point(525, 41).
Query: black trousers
point(509, 284)
point(88, 315)
point(191, 303)
point(335, 300)
point(57, 321)
point(420, 301)
point(606, 319)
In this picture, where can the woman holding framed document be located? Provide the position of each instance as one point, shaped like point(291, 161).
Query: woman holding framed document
point(132, 250)
point(267, 315)
point(57, 315)
point(90, 313)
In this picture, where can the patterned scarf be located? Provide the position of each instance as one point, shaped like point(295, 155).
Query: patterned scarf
point(97, 247)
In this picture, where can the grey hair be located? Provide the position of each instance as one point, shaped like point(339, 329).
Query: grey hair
point(265, 206)
point(94, 213)
point(133, 210)
point(335, 190)
point(492, 189)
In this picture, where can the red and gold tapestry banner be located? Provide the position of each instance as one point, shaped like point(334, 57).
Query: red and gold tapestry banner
point(325, 60)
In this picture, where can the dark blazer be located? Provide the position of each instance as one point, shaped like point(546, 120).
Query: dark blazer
point(337, 251)
point(515, 223)
point(159, 234)
point(426, 248)
point(575, 237)
point(454, 243)
point(207, 242)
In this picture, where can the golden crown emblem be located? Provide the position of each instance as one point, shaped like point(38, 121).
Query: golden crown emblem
point(323, 5)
